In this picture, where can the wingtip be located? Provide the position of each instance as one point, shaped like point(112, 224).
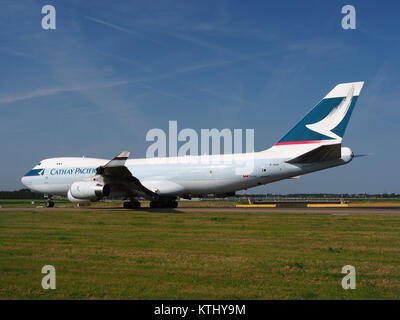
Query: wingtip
point(118, 160)
point(122, 156)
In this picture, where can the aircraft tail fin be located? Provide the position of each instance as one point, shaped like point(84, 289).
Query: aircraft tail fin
point(328, 120)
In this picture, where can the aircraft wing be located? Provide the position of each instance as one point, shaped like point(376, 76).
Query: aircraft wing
point(323, 153)
point(121, 180)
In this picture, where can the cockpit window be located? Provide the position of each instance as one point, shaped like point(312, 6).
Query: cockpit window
point(39, 163)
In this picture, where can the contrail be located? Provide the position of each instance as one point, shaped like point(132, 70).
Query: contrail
point(122, 29)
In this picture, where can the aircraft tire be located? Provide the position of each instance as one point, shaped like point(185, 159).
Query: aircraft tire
point(135, 204)
point(164, 204)
point(154, 204)
point(49, 204)
point(174, 204)
point(131, 204)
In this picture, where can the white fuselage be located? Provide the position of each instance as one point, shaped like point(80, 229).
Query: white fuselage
point(180, 176)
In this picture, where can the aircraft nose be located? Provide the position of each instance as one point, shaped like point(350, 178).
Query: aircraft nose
point(23, 181)
point(26, 179)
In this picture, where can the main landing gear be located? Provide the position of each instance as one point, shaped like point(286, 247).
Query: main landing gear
point(159, 203)
point(164, 203)
point(133, 204)
point(49, 204)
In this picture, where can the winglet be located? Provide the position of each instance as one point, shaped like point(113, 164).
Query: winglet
point(118, 160)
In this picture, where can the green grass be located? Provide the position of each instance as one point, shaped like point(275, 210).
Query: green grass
point(172, 255)
point(13, 203)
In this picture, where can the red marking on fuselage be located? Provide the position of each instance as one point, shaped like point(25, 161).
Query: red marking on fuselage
point(299, 142)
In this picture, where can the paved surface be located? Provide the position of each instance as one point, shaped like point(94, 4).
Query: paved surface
point(332, 211)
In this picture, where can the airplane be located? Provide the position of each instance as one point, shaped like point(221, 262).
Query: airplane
point(313, 144)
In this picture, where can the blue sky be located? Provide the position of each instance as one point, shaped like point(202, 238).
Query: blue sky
point(112, 70)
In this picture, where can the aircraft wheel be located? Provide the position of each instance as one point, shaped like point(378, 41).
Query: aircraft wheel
point(49, 204)
point(154, 204)
point(174, 204)
point(135, 204)
point(164, 204)
point(131, 204)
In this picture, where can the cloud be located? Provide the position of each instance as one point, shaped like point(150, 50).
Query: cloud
point(219, 95)
point(81, 87)
point(319, 46)
point(122, 29)
point(51, 91)
point(167, 94)
point(198, 42)
point(221, 63)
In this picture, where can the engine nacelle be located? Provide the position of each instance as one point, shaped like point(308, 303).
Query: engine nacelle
point(72, 199)
point(87, 190)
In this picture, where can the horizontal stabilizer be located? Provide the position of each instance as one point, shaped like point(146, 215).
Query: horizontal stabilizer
point(323, 153)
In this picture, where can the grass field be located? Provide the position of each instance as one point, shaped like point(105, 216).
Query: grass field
point(172, 255)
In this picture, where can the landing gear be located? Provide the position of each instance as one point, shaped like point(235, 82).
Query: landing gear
point(49, 204)
point(133, 204)
point(154, 204)
point(164, 203)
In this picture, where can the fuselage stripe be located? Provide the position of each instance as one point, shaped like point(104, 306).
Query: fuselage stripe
point(299, 142)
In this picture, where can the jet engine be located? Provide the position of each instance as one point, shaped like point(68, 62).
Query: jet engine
point(87, 191)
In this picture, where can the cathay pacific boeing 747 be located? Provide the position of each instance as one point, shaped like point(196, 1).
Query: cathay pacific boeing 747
point(315, 143)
